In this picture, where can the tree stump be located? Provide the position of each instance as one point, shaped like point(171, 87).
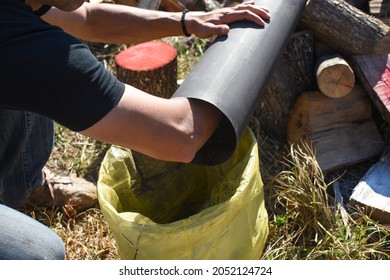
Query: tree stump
point(150, 67)
point(335, 78)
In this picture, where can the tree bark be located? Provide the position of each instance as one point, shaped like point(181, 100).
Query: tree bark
point(293, 74)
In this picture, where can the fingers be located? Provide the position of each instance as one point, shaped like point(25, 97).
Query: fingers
point(245, 11)
point(260, 11)
point(249, 15)
point(216, 22)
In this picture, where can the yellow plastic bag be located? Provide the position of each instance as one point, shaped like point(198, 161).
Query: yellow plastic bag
point(163, 210)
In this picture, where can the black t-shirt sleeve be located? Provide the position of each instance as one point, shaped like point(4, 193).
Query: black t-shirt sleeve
point(80, 91)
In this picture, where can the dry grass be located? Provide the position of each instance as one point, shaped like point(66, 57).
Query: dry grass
point(304, 219)
point(86, 235)
point(307, 222)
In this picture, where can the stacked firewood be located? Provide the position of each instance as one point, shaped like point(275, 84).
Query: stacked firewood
point(331, 90)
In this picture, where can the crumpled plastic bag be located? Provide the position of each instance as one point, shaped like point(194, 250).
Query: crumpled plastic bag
point(165, 210)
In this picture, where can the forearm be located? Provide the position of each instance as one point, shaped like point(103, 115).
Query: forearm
point(166, 129)
point(111, 23)
point(124, 24)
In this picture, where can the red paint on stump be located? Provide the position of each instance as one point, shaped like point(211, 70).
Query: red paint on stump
point(146, 56)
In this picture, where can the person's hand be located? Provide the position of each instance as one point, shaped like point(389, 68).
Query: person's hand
point(204, 25)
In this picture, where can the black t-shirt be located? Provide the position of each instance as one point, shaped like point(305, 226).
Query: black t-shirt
point(47, 71)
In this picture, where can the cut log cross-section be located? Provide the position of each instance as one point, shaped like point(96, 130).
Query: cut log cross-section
point(335, 78)
point(150, 66)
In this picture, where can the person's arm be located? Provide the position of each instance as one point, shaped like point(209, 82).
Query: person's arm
point(113, 23)
point(166, 129)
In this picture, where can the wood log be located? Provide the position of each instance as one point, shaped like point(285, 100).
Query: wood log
point(335, 77)
point(150, 66)
point(313, 112)
point(374, 73)
point(372, 193)
point(292, 74)
point(345, 28)
point(340, 131)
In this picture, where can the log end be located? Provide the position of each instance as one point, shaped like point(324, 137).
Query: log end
point(336, 82)
point(146, 56)
point(335, 77)
point(150, 67)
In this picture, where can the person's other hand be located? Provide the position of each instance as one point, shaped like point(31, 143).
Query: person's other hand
point(206, 24)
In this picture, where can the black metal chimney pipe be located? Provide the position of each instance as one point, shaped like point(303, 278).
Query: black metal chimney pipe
point(234, 71)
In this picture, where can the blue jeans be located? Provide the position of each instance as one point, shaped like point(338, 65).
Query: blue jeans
point(23, 238)
point(26, 141)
